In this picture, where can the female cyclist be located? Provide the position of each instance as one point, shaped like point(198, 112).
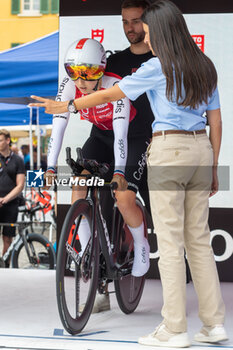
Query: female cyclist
point(85, 63)
point(181, 84)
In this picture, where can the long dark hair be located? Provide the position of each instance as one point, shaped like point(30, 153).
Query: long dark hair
point(179, 55)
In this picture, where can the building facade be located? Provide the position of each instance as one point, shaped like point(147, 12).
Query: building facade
point(22, 21)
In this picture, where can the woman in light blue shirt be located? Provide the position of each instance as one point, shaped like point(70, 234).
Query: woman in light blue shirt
point(181, 85)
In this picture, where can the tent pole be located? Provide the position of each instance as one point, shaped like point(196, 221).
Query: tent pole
point(38, 136)
point(30, 140)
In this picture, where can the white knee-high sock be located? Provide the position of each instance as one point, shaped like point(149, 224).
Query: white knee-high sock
point(137, 233)
point(84, 233)
point(141, 261)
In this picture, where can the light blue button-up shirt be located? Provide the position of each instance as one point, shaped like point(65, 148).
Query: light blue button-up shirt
point(149, 78)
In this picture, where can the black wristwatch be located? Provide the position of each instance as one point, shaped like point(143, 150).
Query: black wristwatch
point(71, 107)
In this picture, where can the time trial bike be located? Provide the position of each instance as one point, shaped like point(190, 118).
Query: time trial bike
point(106, 258)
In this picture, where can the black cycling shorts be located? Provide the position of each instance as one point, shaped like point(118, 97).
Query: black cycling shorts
point(99, 146)
point(8, 214)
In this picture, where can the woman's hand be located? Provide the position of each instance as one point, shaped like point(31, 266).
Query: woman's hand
point(121, 182)
point(214, 186)
point(51, 106)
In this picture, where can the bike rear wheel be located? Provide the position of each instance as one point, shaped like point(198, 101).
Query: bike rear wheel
point(40, 250)
point(128, 288)
point(77, 275)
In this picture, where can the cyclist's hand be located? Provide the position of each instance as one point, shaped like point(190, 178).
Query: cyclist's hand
point(121, 182)
point(51, 106)
point(49, 179)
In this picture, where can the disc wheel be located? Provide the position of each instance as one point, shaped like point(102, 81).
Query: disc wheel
point(128, 288)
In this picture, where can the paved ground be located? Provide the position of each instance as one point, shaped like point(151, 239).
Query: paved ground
point(29, 317)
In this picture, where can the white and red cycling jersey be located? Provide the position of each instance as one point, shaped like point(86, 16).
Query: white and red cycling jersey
point(109, 116)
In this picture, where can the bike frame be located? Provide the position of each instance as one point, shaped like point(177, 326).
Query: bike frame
point(100, 228)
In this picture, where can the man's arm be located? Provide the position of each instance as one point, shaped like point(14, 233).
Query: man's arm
point(20, 178)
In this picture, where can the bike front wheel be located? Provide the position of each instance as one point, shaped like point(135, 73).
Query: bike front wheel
point(128, 288)
point(77, 272)
point(39, 253)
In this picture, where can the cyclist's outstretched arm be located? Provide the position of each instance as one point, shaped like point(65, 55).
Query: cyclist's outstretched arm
point(99, 97)
point(60, 121)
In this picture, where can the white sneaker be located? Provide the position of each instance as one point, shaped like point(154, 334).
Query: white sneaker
point(163, 337)
point(212, 334)
point(141, 261)
point(102, 303)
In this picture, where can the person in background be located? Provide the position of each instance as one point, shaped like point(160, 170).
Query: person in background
point(15, 149)
point(12, 177)
point(26, 156)
point(43, 163)
point(181, 84)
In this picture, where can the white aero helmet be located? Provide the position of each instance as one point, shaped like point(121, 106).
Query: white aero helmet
point(85, 59)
